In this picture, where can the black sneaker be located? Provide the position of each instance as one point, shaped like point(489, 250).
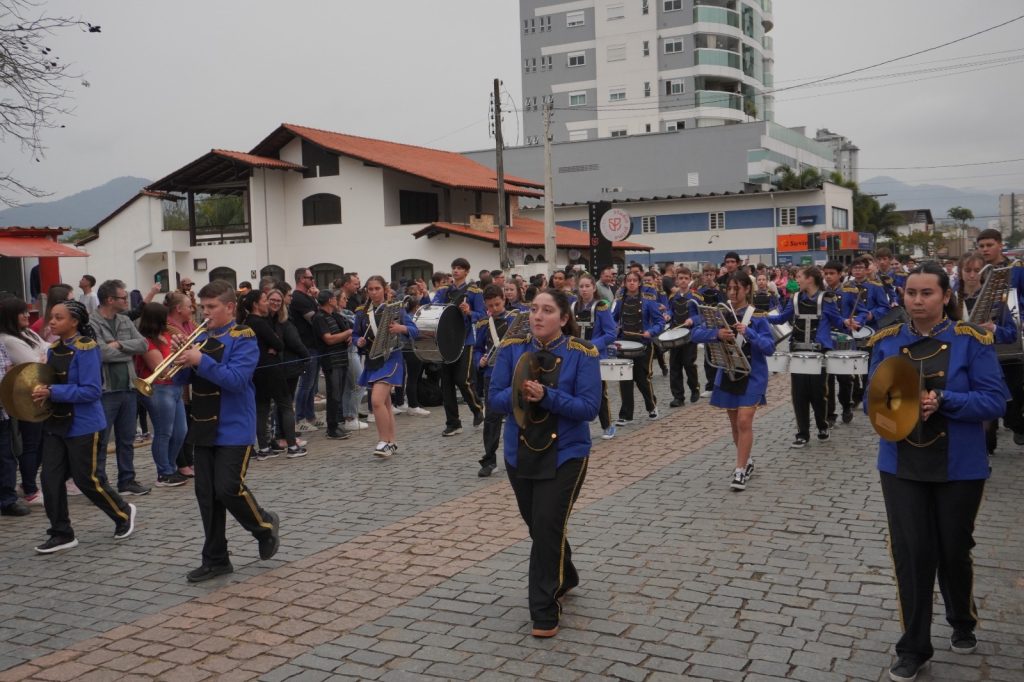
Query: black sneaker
point(1018, 438)
point(264, 454)
point(336, 434)
point(478, 419)
point(16, 508)
point(906, 668)
point(676, 402)
point(56, 544)
point(204, 572)
point(847, 416)
point(750, 467)
point(272, 540)
point(963, 642)
point(171, 480)
point(739, 480)
point(125, 528)
point(276, 447)
point(486, 470)
point(296, 451)
point(798, 442)
point(134, 488)
point(694, 396)
point(823, 434)
point(451, 431)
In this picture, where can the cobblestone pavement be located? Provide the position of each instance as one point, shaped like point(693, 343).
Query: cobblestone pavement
point(414, 568)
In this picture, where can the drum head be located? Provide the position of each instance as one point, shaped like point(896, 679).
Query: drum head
point(451, 334)
point(675, 334)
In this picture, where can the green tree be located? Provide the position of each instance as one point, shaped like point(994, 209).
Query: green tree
point(883, 219)
point(960, 214)
point(807, 178)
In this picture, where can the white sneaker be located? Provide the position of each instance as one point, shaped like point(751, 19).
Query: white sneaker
point(382, 449)
point(354, 425)
point(705, 394)
point(371, 419)
point(419, 412)
point(398, 409)
point(304, 427)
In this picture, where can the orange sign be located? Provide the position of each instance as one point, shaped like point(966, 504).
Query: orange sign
point(792, 242)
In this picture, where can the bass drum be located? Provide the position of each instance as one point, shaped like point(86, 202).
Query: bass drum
point(442, 334)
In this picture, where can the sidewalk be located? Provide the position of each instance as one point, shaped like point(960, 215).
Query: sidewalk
point(414, 568)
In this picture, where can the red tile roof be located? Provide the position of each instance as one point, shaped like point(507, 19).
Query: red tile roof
point(445, 168)
point(528, 233)
point(256, 161)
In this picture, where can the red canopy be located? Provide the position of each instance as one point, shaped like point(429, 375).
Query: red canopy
point(21, 247)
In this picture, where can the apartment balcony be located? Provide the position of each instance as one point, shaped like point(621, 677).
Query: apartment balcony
point(719, 99)
point(709, 57)
point(768, 43)
point(716, 15)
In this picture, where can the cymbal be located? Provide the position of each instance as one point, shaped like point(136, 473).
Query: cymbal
point(894, 398)
point(16, 391)
point(526, 368)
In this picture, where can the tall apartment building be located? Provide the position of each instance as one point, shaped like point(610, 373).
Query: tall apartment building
point(626, 67)
point(1011, 213)
point(844, 152)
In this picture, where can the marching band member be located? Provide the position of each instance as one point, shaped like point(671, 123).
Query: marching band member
point(547, 462)
point(870, 293)
point(460, 373)
point(814, 314)
point(711, 295)
point(489, 332)
point(848, 299)
point(594, 318)
point(990, 246)
point(764, 299)
point(892, 282)
point(653, 282)
point(683, 308)
point(383, 373)
point(933, 480)
point(222, 428)
point(742, 396)
point(639, 320)
point(71, 433)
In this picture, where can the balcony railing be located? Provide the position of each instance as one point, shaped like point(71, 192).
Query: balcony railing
point(716, 15)
point(221, 234)
point(711, 57)
point(717, 98)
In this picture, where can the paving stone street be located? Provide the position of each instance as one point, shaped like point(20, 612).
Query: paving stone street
point(415, 569)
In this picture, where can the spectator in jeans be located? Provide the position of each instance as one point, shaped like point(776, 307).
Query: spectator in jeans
point(119, 342)
point(301, 311)
point(352, 396)
point(334, 339)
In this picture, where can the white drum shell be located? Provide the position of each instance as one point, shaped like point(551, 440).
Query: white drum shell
point(806, 362)
point(778, 361)
point(616, 370)
point(847, 362)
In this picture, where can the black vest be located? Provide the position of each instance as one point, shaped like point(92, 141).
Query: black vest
point(632, 314)
point(585, 318)
point(537, 455)
point(62, 414)
point(762, 301)
point(924, 454)
point(205, 416)
point(806, 317)
point(680, 309)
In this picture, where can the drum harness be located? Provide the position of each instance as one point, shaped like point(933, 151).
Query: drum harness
point(808, 327)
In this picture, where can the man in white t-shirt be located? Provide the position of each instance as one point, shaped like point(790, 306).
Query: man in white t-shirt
point(88, 297)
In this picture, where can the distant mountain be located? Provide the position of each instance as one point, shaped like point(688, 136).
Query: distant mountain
point(84, 209)
point(984, 203)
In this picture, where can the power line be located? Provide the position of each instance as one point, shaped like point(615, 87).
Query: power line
point(932, 61)
point(465, 127)
point(950, 177)
point(950, 165)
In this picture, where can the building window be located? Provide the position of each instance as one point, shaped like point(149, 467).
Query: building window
point(577, 135)
point(417, 207)
point(321, 209)
point(649, 224)
point(545, 23)
point(645, 7)
point(787, 217)
point(840, 218)
point(577, 99)
point(325, 273)
point(545, 63)
point(673, 45)
point(647, 127)
point(621, 132)
point(716, 221)
point(616, 94)
point(574, 19)
point(526, 25)
point(647, 88)
point(673, 126)
point(647, 48)
point(585, 225)
point(616, 53)
point(616, 12)
point(318, 161)
point(672, 5)
point(577, 59)
point(526, 65)
point(675, 87)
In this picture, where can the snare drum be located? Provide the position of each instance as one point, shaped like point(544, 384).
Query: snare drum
point(861, 336)
point(630, 349)
point(847, 362)
point(806, 362)
point(781, 331)
point(616, 370)
point(778, 361)
point(673, 338)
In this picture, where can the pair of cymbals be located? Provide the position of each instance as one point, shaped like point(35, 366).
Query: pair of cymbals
point(894, 398)
point(16, 391)
point(527, 369)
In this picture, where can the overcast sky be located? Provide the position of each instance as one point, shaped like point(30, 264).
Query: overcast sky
point(168, 81)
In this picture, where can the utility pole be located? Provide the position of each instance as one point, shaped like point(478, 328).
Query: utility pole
point(503, 260)
point(550, 253)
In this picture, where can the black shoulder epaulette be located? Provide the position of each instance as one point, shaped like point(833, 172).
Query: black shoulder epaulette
point(602, 306)
point(84, 343)
point(55, 344)
point(585, 347)
point(697, 295)
point(981, 335)
point(884, 333)
point(830, 295)
point(240, 330)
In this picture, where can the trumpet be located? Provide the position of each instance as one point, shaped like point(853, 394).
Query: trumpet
point(167, 369)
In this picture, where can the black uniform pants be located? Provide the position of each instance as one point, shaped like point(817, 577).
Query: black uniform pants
point(680, 359)
point(492, 427)
point(545, 507)
point(642, 367)
point(808, 393)
point(220, 488)
point(77, 457)
point(1014, 374)
point(845, 393)
point(458, 374)
point(335, 376)
point(931, 531)
point(710, 372)
point(604, 412)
